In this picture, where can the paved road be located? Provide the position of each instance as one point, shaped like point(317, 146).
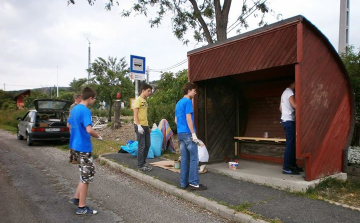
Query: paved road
point(37, 182)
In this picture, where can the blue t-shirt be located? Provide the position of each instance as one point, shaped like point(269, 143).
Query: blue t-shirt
point(80, 118)
point(183, 107)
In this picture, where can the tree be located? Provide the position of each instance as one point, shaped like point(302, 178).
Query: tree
point(207, 18)
point(109, 79)
point(351, 60)
point(78, 85)
point(167, 93)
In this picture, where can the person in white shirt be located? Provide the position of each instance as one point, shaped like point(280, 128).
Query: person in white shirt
point(287, 109)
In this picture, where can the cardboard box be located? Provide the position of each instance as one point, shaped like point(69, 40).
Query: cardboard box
point(42, 124)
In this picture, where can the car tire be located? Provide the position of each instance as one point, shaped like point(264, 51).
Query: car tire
point(29, 142)
point(19, 136)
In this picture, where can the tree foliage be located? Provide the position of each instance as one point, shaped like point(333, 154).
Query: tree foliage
point(208, 19)
point(351, 60)
point(110, 78)
point(167, 93)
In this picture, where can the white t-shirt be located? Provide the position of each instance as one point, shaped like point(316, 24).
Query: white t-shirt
point(287, 111)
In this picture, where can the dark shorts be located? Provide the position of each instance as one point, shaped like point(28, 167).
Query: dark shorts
point(86, 166)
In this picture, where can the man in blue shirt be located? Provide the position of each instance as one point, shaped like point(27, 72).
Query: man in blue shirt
point(184, 119)
point(81, 130)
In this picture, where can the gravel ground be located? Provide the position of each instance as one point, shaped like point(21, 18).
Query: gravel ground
point(41, 177)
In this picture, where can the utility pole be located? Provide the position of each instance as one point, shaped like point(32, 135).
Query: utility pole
point(147, 74)
point(4, 86)
point(344, 26)
point(89, 60)
point(57, 82)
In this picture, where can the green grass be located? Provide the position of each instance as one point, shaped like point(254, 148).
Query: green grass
point(105, 146)
point(346, 192)
point(8, 128)
point(171, 156)
point(8, 117)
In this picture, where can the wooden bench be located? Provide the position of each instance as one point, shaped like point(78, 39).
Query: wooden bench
point(279, 141)
point(257, 139)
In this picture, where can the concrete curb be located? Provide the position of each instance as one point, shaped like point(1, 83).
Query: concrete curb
point(212, 206)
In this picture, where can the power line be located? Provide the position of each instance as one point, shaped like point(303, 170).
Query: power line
point(171, 67)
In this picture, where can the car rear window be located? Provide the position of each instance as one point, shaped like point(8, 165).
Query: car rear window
point(51, 104)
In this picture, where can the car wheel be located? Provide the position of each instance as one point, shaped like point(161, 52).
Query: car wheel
point(19, 136)
point(29, 142)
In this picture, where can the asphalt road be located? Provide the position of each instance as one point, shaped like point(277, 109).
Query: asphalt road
point(36, 183)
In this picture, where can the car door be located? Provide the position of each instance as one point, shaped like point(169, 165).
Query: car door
point(22, 124)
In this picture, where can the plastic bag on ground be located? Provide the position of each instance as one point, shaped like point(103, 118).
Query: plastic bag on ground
point(133, 148)
point(203, 153)
point(156, 139)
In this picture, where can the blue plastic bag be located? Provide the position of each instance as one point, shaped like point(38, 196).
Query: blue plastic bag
point(133, 148)
point(156, 139)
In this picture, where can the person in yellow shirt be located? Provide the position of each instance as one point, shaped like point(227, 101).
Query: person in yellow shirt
point(141, 126)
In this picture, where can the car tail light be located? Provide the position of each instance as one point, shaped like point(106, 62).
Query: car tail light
point(64, 129)
point(38, 129)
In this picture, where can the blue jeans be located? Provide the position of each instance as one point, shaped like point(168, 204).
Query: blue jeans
point(290, 150)
point(189, 173)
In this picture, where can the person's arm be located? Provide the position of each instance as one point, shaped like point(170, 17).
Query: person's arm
point(190, 123)
point(136, 116)
point(292, 101)
point(137, 121)
point(175, 120)
point(92, 132)
point(280, 108)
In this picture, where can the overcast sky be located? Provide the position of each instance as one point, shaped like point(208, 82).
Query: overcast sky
point(44, 42)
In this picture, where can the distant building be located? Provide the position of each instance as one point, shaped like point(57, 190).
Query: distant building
point(20, 98)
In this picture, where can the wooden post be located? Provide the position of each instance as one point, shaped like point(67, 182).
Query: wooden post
point(117, 122)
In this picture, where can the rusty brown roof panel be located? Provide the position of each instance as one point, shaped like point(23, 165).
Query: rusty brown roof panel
point(273, 48)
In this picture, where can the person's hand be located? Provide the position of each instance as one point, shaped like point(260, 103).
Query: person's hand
point(99, 138)
point(194, 138)
point(140, 129)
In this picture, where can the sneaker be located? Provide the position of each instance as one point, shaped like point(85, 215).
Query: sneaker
point(197, 187)
point(291, 172)
point(145, 169)
point(184, 188)
point(148, 167)
point(296, 168)
point(74, 201)
point(86, 211)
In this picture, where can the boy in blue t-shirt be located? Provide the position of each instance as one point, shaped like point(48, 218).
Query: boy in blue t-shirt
point(184, 119)
point(81, 130)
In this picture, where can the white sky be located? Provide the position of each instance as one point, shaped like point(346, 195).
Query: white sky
point(44, 42)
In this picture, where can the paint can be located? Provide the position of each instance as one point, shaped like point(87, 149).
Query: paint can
point(266, 135)
point(233, 165)
point(177, 164)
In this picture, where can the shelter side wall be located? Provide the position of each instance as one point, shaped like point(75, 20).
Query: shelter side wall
point(265, 50)
point(217, 116)
point(324, 112)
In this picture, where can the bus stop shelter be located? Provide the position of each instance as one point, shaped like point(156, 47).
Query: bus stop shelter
point(240, 82)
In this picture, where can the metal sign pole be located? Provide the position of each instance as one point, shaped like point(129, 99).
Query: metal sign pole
point(136, 88)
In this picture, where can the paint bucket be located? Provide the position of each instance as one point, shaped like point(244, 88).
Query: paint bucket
point(177, 164)
point(233, 165)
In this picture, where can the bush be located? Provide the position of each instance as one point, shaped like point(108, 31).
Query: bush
point(8, 117)
point(168, 92)
point(101, 113)
point(126, 112)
